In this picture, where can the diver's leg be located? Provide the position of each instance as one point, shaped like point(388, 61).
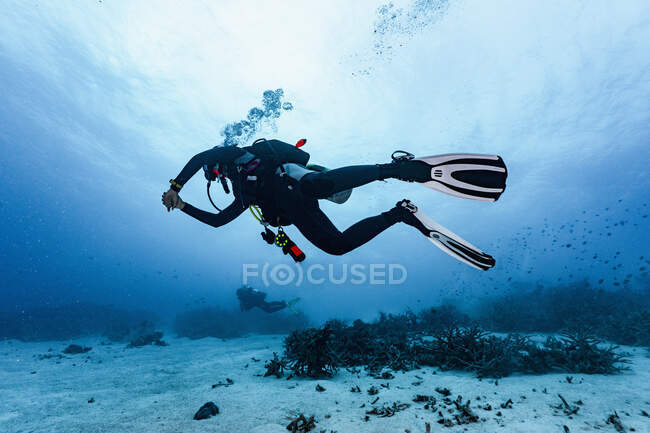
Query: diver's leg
point(272, 307)
point(321, 185)
point(320, 230)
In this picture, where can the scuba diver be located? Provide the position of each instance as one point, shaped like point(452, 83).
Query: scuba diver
point(274, 179)
point(250, 298)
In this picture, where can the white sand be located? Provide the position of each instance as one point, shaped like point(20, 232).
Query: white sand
point(158, 389)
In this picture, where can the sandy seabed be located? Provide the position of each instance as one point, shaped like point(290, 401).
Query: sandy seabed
point(158, 389)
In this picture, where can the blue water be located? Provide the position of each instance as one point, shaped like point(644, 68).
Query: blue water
point(103, 102)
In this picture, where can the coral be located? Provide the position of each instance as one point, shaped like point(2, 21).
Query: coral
point(472, 349)
point(397, 342)
point(388, 411)
point(615, 420)
point(309, 353)
point(275, 367)
point(302, 424)
point(154, 338)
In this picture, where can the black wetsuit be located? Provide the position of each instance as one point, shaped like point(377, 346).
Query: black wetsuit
point(250, 298)
point(285, 200)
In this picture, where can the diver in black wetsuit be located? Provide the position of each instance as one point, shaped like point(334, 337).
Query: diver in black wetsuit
point(288, 193)
point(250, 298)
point(274, 176)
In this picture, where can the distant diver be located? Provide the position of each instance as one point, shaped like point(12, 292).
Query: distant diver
point(275, 181)
point(250, 298)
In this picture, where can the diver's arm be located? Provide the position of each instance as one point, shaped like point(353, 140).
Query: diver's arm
point(210, 157)
point(231, 212)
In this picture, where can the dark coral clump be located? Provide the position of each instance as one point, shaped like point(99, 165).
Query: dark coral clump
point(310, 353)
point(574, 352)
point(472, 349)
point(154, 338)
point(302, 424)
point(407, 341)
point(275, 367)
point(75, 349)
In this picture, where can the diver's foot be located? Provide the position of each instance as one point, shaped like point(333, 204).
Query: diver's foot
point(404, 167)
point(443, 238)
point(407, 214)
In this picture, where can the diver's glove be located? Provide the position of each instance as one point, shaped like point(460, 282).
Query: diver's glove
point(171, 200)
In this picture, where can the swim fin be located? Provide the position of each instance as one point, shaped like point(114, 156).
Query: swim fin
point(291, 305)
point(465, 175)
point(444, 239)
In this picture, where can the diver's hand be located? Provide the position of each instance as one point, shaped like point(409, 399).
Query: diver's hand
point(171, 200)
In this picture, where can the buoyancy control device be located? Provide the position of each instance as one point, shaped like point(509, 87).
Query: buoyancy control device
point(262, 158)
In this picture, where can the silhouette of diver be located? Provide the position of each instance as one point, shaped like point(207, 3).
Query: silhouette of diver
point(250, 298)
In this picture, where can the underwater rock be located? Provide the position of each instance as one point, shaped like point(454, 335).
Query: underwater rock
point(75, 349)
point(319, 388)
point(226, 384)
point(206, 411)
point(146, 340)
